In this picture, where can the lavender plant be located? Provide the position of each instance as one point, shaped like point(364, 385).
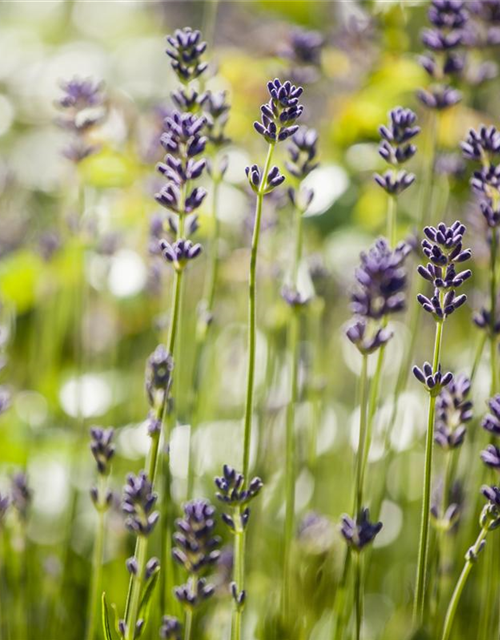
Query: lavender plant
point(103, 450)
point(443, 246)
point(196, 551)
point(232, 491)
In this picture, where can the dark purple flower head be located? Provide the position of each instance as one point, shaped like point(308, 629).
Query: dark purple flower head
point(395, 147)
point(159, 374)
point(180, 252)
point(453, 410)
point(490, 516)
point(192, 595)
point(21, 494)
point(196, 545)
point(367, 341)
point(481, 145)
point(434, 382)
point(278, 116)
point(170, 629)
point(448, 14)
point(491, 457)
point(232, 491)
point(138, 504)
point(183, 134)
point(381, 280)
point(302, 152)
point(487, 10)
point(394, 183)
point(491, 422)
point(255, 179)
point(443, 246)
point(186, 49)
point(102, 448)
point(360, 532)
point(439, 97)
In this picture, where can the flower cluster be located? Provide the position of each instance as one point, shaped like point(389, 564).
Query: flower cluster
point(433, 381)
point(454, 409)
point(170, 628)
point(444, 60)
point(184, 138)
point(484, 146)
point(278, 116)
point(180, 251)
point(138, 504)
point(360, 531)
point(381, 283)
point(444, 248)
point(491, 422)
point(102, 447)
point(487, 31)
point(216, 110)
point(232, 491)
point(490, 516)
point(185, 51)
point(396, 148)
point(83, 103)
point(196, 550)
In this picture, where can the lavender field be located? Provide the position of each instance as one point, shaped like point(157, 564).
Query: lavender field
point(250, 320)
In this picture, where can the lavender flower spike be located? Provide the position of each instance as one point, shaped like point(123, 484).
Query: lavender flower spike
point(186, 49)
point(102, 448)
point(170, 629)
point(278, 116)
point(138, 504)
point(454, 409)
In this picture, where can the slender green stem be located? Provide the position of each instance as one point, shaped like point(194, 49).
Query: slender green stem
point(457, 593)
point(478, 355)
point(290, 461)
point(423, 550)
point(239, 572)
point(95, 585)
point(137, 583)
point(358, 594)
point(391, 221)
point(252, 315)
point(363, 382)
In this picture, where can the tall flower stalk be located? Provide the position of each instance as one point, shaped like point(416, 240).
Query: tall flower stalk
point(103, 449)
point(443, 246)
point(302, 153)
point(231, 492)
point(184, 141)
point(196, 550)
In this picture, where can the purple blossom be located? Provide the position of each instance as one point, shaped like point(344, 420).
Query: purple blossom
point(491, 422)
point(180, 251)
point(185, 51)
point(394, 183)
point(138, 504)
point(433, 382)
point(102, 448)
point(359, 532)
point(454, 409)
point(278, 116)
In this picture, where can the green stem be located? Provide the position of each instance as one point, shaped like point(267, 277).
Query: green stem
point(188, 624)
point(95, 586)
point(391, 221)
point(252, 315)
point(455, 599)
point(363, 381)
point(423, 550)
point(141, 550)
point(290, 461)
point(339, 605)
point(478, 355)
point(358, 595)
point(239, 572)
